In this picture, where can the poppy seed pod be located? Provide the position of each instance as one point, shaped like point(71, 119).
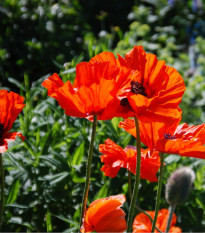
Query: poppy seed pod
point(178, 186)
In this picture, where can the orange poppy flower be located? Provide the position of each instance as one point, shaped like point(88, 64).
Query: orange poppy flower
point(157, 90)
point(94, 89)
point(11, 104)
point(143, 224)
point(180, 139)
point(105, 215)
point(116, 157)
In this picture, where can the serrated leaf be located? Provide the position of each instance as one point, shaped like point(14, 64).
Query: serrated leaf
point(78, 155)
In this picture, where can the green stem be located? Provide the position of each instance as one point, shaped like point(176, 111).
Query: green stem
point(137, 177)
point(2, 190)
point(171, 212)
point(159, 189)
point(130, 184)
point(88, 169)
point(144, 212)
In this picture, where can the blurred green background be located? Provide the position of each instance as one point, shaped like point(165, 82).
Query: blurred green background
point(45, 175)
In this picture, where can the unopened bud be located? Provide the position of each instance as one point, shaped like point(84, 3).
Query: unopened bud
point(179, 185)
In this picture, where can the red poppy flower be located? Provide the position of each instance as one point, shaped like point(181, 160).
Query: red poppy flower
point(157, 90)
point(94, 89)
point(11, 104)
point(180, 139)
point(105, 215)
point(116, 157)
point(143, 224)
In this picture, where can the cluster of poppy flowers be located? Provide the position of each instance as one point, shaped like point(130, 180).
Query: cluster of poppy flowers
point(137, 85)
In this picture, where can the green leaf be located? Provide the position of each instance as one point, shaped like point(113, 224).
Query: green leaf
point(71, 230)
point(48, 221)
point(16, 82)
point(115, 122)
point(13, 193)
point(58, 162)
point(77, 179)
point(78, 155)
point(71, 222)
point(15, 205)
point(102, 192)
point(53, 179)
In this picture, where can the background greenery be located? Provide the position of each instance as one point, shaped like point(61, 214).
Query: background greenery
point(45, 174)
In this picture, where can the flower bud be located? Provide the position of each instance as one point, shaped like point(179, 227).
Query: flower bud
point(179, 185)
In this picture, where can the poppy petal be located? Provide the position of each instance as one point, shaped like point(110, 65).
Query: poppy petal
point(116, 157)
point(105, 215)
point(52, 84)
point(11, 104)
point(143, 224)
point(158, 88)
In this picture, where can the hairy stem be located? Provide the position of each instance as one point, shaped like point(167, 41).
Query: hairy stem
point(137, 178)
point(159, 189)
point(88, 169)
point(130, 184)
point(171, 212)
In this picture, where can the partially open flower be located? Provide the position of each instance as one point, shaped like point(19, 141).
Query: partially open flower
point(179, 185)
point(105, 215)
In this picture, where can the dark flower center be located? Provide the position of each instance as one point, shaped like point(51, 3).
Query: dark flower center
point(169, 136)
point(137, 88)
point(124, 102)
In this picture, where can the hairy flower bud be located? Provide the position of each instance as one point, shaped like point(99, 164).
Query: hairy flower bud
point(179, 184)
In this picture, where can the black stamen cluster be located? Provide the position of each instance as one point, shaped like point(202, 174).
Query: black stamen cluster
point(137, 88)
point(169, 136)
